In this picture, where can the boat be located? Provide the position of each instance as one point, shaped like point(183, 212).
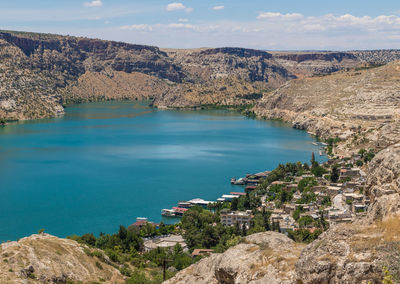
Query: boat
point(233, 180)
point(168, 213)
point(239, 181)
point(200, 202)
point(184, 204)
point(179, 211)
point(142, 219)
point(320, 152)
point(314, 143)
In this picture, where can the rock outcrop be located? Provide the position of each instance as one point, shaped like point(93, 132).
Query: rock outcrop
point(267, 257)
point(351, 253)
point(41, 72)
point(37, 71)
point(350, 105)
point(47, 259)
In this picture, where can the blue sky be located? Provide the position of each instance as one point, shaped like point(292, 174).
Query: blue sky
point(263, 24)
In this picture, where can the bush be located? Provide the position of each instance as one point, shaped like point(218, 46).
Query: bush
point(99, 266)
point(138, 277)
point(125, 270)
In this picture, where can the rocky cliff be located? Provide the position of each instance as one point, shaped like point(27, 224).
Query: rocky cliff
point(47, 259)
point(39, 73)
point(361, 107)
point(267, 257)
point(37, 70)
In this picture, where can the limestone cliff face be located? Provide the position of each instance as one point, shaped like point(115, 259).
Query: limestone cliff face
point(262, 258)
point(316, 63)
point(351, 253)
point(365, 103)
point(47, 259)
point(41, 72)
point(37, 71)
point(384, 184)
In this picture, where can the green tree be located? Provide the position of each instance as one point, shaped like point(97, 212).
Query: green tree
point(318, 171)
point(313, 159)
point(335, 174)
point(138, 277)
point(234, 204)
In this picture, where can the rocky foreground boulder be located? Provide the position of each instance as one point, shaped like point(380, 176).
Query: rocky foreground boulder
point(267, 257)
point(47, 259)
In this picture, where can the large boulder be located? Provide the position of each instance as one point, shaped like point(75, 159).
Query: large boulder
point(267, 257)
point(47, 259)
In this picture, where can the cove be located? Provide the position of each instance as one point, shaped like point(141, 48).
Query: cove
point(104, 164)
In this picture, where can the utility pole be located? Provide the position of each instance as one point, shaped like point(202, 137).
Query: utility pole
point(165, 260)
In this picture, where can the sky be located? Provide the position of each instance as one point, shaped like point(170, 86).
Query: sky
point(260, 24)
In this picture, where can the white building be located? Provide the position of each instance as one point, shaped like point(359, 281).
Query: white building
point(230, 218)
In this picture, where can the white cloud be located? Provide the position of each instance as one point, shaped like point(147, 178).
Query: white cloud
point(176, 6)
point(275, 16)
point(268, 31)
point(180, 26)
point(93, 3)
point(139, 27)
point(222, 7)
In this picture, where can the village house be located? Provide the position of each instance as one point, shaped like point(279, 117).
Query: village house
point(165, 242)
point(350, 173)
point(230, 218)
point(141, 222)
point(334, 190)
point(352, 197)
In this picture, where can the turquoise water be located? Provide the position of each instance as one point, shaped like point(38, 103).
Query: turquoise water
point(104, 164)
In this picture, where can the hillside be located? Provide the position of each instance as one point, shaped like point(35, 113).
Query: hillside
point(361, 107)
point(267, 257)
point(47, 259)
point(40, 73)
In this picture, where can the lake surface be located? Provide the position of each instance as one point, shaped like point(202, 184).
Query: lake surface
point(104, 164)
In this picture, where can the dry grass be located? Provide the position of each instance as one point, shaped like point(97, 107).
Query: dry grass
point(252, 249)
point(390, 229)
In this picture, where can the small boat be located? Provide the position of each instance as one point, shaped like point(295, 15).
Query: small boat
point(320, 152)
point(239, 181)
point(233, 180)
point(168, 213)
point(314, 143)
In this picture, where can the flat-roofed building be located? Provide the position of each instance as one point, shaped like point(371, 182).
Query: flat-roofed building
point(230, 218)
point(165, 242)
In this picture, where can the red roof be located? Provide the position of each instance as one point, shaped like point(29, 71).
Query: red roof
point(180, 209)
point(238, 193)
point(251, 187)
point(139, 223)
